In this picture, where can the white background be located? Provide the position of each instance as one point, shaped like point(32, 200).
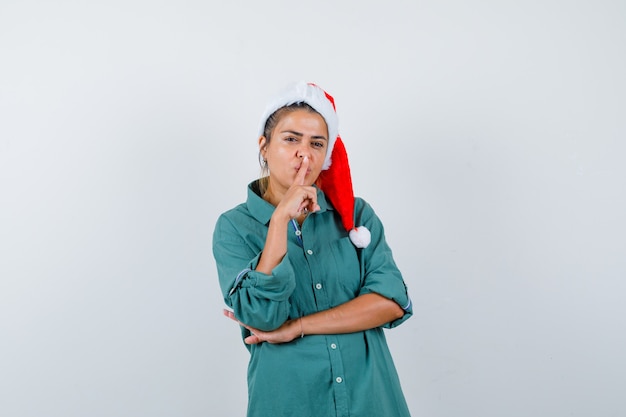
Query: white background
point(489, 136)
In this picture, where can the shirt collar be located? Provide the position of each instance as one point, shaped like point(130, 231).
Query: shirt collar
point(262, 210)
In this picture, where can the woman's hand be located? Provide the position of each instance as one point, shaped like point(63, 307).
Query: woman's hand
point(285, 333)
point(299, 198)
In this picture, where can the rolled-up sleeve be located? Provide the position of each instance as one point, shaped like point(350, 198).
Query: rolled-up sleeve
point(257, 299)
point(382, 275)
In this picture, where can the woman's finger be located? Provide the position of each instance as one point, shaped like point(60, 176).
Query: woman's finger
point(231, 315)
point(304, 166)
point(253, 340)
point(310, 201)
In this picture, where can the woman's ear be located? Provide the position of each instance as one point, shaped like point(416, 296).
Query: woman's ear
point(262, 146)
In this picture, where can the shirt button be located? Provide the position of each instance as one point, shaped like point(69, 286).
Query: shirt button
point(318, 286)
point(298, 233)
point(333, 346)
point(310, 252)
point(339, 380)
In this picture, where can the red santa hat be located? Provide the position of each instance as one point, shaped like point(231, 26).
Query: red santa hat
point(335, 180)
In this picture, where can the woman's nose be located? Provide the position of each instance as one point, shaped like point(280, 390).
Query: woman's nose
point(303, 151)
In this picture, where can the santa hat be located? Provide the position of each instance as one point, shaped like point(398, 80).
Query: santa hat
point(335, 180)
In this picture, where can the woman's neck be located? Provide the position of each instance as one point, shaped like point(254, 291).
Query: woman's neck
point(271, 197)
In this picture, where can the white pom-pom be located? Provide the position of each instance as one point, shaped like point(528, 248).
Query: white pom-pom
point(360, 236)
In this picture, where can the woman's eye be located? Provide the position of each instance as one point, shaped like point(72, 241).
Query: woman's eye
point(291, 139)
point(318, 145)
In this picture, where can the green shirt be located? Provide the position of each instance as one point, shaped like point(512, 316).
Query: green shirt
point(317, 375)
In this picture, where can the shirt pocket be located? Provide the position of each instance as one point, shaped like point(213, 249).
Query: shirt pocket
point(347, 272)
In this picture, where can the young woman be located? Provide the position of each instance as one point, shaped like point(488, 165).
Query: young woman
point(311, 292)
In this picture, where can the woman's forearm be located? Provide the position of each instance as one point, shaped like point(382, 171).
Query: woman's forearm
point(362, 313)
point(365, 312)
point(275, 244)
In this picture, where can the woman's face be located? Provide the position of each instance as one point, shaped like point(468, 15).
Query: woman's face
point(297, 134)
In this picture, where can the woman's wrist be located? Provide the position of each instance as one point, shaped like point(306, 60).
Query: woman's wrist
point(279, 217)
point(296, 329)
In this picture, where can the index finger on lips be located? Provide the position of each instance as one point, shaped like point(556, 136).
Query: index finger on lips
point(304, 166)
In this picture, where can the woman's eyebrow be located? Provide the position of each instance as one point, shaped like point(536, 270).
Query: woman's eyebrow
point(301, 134)
point(293, 132)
